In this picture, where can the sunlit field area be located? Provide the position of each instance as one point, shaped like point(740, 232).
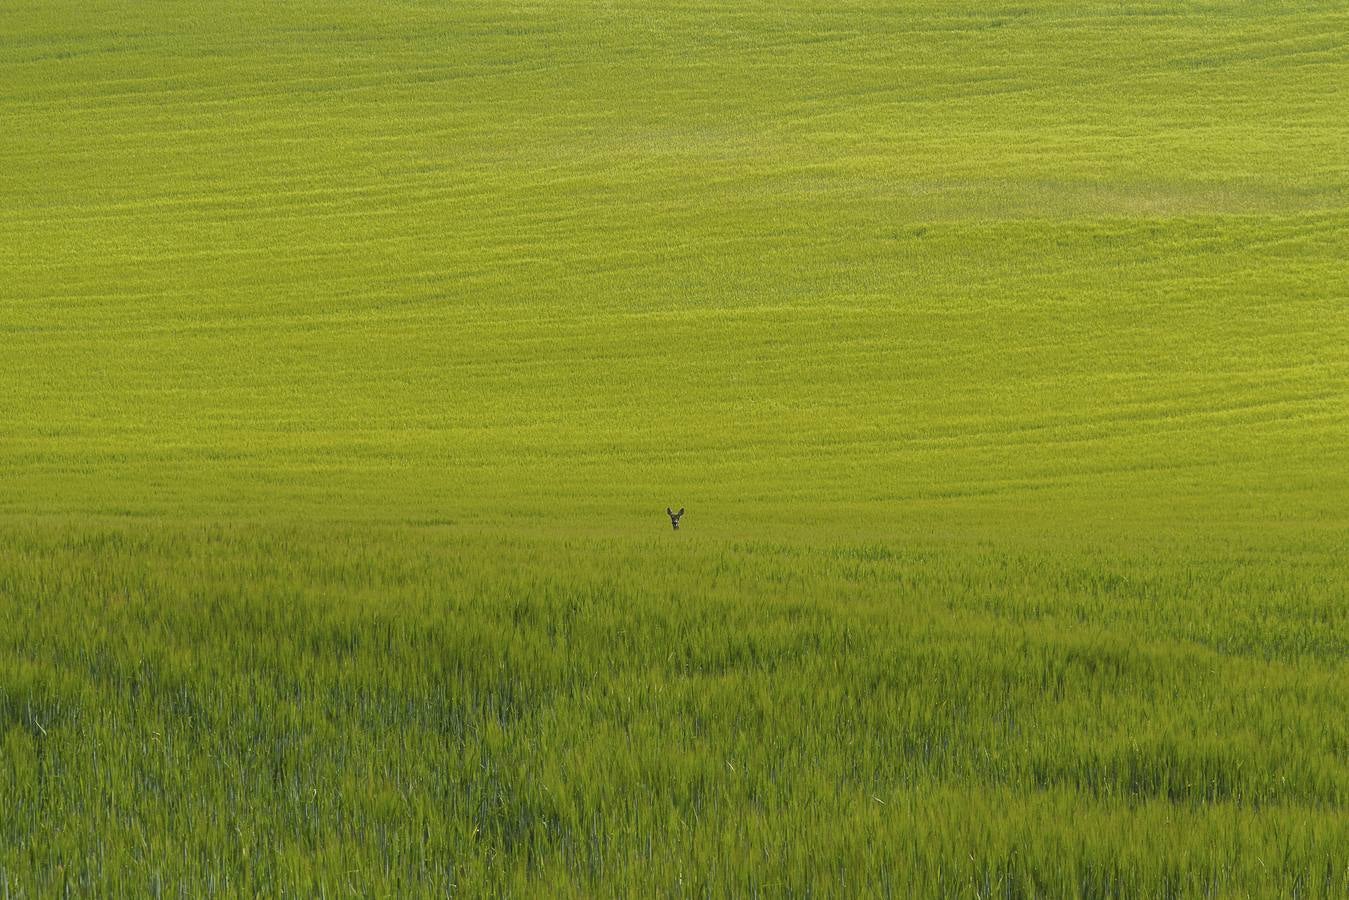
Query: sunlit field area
point(350, 355)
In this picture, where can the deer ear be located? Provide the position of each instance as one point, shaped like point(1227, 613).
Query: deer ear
point(681, 510)
point(668, 511)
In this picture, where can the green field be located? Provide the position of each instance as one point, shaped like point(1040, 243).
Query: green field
point(350, 355)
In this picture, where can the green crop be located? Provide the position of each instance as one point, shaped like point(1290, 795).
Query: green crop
point(351, 353)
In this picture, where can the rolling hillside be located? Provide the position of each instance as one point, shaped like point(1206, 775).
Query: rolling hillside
point(352, 352)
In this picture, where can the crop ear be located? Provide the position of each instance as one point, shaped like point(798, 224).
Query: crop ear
point(681, 510)
point(668, 511)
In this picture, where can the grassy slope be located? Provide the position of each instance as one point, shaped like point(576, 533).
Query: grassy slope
point(998, 354)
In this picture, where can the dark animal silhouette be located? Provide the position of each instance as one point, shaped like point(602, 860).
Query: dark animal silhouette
point(674, 516)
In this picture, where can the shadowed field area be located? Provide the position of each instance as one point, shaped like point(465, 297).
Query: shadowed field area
point(351, 354)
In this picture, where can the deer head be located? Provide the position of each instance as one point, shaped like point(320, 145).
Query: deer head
point(674, 516)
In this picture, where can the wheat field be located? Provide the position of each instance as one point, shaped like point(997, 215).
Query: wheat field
point(351, 354)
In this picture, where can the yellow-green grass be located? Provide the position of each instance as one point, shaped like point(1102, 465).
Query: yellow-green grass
point(351, 355)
